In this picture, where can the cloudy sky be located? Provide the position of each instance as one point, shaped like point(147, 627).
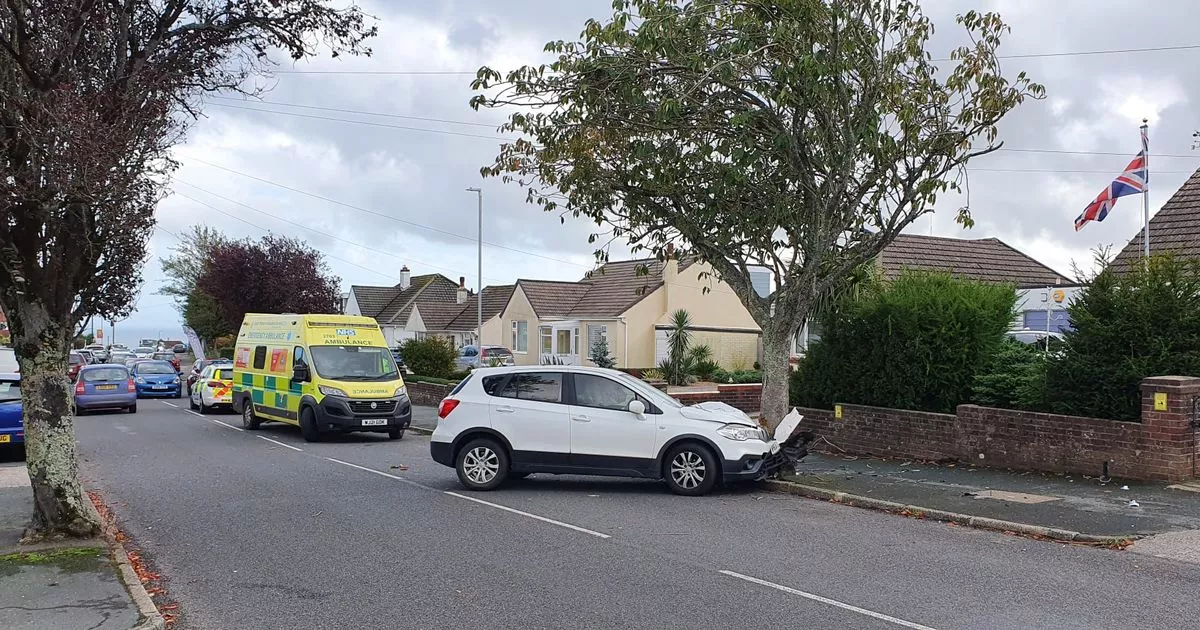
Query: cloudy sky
point(386, 191)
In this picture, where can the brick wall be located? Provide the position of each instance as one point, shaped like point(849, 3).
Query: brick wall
point(427, 394)
point(1161, 446)
point(745, 396)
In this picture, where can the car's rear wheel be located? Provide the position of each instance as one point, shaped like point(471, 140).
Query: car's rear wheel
point(690, 469)
point(203, 407)
point(192, 403)
point(133, 408)
point(308, 425)
point(482, 464)
point(250, 420)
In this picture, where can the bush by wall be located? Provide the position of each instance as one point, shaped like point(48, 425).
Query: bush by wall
point(1014, 378)
point(915, 342)
point(1142, 323)
point(431, 356)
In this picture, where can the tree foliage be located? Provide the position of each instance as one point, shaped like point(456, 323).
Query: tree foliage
point(185, 264)
point(431, 356)
point(913, 343)
point(1127, 326)
point(203, 313)
point(1013, 378)
point(276, 274)
point(801, 135)
point(93, 94)
point(677, 366)
point(600, 354)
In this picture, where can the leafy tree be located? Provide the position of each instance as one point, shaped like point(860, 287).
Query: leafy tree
point(802, 135)
point(916, 342)
point(431, 356)
point(186, 264)
point(1127, 327)
point(203, 314)
point(300, 281)
point(93, 95)
point(600, 354)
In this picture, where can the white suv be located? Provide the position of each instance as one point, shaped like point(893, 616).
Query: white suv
point(512, 421)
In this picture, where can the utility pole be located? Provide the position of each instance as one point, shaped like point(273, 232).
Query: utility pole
point(479, 277)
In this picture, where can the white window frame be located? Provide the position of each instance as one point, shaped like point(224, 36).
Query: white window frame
point(516, 336)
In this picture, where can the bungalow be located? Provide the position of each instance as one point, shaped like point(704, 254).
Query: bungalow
point(1042, 293)
point(629, 304)
point(1175, 228)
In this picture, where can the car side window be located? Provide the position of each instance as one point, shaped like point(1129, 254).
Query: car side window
point(492, 383)
point(537, 386)
point(298, 356)
point(260, 357)
point(602, 393)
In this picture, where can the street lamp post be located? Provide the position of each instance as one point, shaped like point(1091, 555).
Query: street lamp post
point(479, 271)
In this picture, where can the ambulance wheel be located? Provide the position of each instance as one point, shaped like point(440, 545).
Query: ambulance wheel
point(249, 419)
point(395, 434)
point(308, 425)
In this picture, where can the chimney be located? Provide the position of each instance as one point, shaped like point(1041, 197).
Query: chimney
point(405, 277)
point(462, 289)
point(670, 277)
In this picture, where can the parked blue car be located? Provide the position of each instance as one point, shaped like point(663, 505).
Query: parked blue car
point(12, 427)
point(156, 378)
point(105, 386)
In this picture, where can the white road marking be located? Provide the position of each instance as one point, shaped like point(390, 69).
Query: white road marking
point(214, 421)
point(527, 514)
point(380, 473)
point(169, 404)
point(831, 602)
point(263, 437)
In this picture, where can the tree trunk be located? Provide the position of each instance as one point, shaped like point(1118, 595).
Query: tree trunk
point(47, 398)
point(776, 371)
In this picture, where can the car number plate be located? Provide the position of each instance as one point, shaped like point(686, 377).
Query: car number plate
point(4, 439)
point(774, 447)
point(105, 387)
point(374, 422)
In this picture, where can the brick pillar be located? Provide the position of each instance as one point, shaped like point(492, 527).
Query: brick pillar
point(1170, 430)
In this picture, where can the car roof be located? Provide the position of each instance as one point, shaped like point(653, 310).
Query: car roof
point(97, 366)
point(578, 369)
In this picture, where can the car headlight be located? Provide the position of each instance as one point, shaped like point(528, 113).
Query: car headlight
point(175, 380)
point(331, 391)
point(140, 380)
point(741, 432)
point(400, 391)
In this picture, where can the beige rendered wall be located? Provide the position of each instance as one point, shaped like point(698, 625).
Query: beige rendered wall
point(731, 350)
point(719, 307)
point(500, 333)
point(640, 319)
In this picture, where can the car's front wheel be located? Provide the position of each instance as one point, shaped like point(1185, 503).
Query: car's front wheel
point(690, 469)
point(482, 464)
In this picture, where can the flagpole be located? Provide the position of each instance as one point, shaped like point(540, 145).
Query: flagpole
point(1146, 190)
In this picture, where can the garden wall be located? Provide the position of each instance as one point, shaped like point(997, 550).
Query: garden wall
point(427, 394)
point(744, 396)
point(1161, 446)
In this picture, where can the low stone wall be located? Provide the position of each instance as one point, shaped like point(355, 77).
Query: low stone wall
point(1161, 446)
point(427, 394)
point(746, 396)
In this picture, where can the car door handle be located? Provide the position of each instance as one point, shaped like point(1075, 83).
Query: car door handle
point(505, 410)
point(581, 418)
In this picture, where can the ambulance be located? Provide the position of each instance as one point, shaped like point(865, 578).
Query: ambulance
point(322, 373)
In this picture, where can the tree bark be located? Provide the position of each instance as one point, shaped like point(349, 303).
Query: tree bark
point(776, 371)
point(47, 397)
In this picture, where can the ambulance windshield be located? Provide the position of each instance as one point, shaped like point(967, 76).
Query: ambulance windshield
point(354, 363)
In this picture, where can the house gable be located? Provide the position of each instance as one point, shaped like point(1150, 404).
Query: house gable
point(1175, 228)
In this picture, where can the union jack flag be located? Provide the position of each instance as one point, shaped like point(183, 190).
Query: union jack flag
point(1135, 180)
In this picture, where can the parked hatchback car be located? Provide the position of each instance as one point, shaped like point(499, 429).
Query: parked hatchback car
point(470, 357)
point(105, 387)
point(12, 426)
point(156, 378)
point(502, 422)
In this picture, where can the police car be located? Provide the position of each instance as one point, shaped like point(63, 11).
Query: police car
point(213, 388)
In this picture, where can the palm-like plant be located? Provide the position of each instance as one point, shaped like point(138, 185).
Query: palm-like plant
point(679, 338)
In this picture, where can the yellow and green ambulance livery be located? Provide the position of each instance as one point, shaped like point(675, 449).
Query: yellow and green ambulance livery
point(322, 373)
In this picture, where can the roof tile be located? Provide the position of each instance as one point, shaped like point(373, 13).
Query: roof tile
point(985, 259)
point(1175, 228)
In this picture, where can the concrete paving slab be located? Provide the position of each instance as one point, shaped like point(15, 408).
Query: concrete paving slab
point(73, 589)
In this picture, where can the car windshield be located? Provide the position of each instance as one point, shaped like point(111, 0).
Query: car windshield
point(653, 394)
point(105, 374)
point(155, 367)
point(10, 390)
point(354, 363)
point(120, 356)
point(496, 353)
point(164, 356)
point(76, 358)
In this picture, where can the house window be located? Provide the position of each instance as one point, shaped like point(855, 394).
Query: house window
point(566, 340)
point(520, 336)
point(594, 334)
point(547, 339)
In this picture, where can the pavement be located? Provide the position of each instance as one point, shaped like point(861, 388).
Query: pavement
point(263, 530)
point(53, 587)
point(1081, 503)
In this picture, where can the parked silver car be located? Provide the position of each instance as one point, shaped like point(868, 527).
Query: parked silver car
point(471, 357)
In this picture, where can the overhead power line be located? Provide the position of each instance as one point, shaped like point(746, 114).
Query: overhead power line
point(1084, 53)
point(403, 73)
point(362, 122)
point(1054, 170)
point(385, 215)
point(1129, 154)
point(354, 111)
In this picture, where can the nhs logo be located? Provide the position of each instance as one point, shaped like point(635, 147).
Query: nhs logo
point(344, 332)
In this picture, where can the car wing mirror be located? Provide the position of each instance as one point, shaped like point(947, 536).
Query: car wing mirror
point(300, 373)
point(637, 408)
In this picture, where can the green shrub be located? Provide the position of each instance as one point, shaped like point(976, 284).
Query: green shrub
point(417, 378)
point(745, 376)
point(915, 342)
point(431, 356)
point(1014, 378)
point(600, 354)
point(653, 374)
point(1145, 322)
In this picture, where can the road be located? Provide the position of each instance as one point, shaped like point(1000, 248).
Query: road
point(262, 530)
